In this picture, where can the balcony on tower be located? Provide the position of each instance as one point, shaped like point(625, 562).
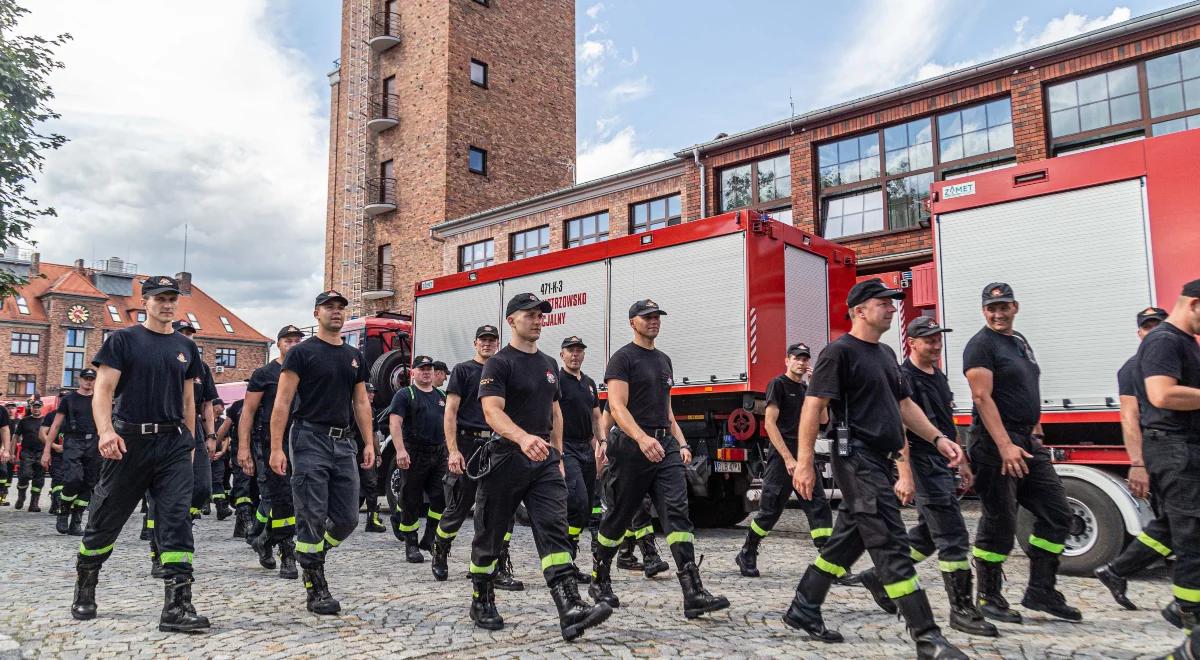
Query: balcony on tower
point(385, 30)
point(378, 282)
point(381, 196)
point(384, 112)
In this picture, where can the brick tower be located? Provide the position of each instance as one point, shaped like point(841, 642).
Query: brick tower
point(440, 108)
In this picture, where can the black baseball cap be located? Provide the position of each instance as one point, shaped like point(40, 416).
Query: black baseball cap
point(422, 361)
point(872, 288)
point(1151, 314)
point(88, 373)
point(799, 349)
point(10, 404)
point(156, 284)
point(925, 326)
point(487, 331)
point(997, 292)
point(288, 331)
point(326, 296)
point(573, 341)
point(1191, 289)
point(36, 403)
point(218, 402)
point(524, 301)
point(438, 365)
point(645, 308)
point(182, 325)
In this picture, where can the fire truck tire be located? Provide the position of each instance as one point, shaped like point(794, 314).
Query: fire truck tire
point(1097, 531)
point(391, 481)
point(707, 512)
point(386, 372)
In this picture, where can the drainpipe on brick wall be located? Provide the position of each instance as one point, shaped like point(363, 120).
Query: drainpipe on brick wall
point(703, 184)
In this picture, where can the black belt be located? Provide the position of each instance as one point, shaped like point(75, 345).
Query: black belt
point(147, 428)
point(1156, 434)
point(657, 433)
point(859, 445)
point(474, 434)
point(335, 432)
point(86, 436)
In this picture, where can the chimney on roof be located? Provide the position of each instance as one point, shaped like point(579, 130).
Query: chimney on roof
point(35, 262)
point(79, 267)
point(185, 282)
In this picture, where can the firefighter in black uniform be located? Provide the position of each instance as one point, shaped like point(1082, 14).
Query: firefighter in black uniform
point(326, 376)
point(81, 455)
point(220, 463)
point(415, 422)
point(206, 393)
point(440, 373)
point(648, 455)
point(32, 476)
point(859, 379)
point(1154, 541)
point(1011, 465)
point(254, 428)
point(243, 487)
point(1169, 362)
point(55, 443)
point(582, 435)
point(926, 474)
point(785, 398)
point(640, 533)
point(6, 451)
point(466, 431)
point(147, 441)
point(368, 478)
point(519, 393)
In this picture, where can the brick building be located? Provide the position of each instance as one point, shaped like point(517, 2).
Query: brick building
point(56, 323)
point(858, 172)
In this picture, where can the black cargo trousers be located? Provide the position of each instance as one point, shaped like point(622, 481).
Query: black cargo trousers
point(158, 462)
point(81, 468)
point(460, 490)
point(777, 488)
point(324, 463)
point(515, 478)
point(280, 512)
point(634, 476)
point(243, 488)
point(940, 525)
point(579, 459)
point(201, 471)
point(1173, 461)
point(423, 482)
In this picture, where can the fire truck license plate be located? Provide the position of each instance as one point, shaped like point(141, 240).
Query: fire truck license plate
point(726, 466)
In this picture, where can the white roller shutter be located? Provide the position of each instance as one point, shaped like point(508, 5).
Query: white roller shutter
point(806, 296)
point(445, 323)
point(580, 308)
point(1079, 266)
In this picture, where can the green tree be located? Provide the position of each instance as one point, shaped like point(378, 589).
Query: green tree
point(25, 65)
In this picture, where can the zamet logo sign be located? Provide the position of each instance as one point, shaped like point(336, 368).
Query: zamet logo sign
point(958, 190)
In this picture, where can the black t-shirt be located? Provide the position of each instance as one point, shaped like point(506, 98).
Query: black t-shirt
point(788, 396)
point(579, 399)
point(1169, 351)
point(1015, 374)
point(234, 413)
point(205, 388)
point(6, 419)
point(29, 430)
point(528, 383)
point(328, 375)
point(932, 393)
point(77, 414)
point(1127, 378)
point(863, 379)
point(650, 377)
point(464, 381)
point(154, 367)
point(422, 413)
point(265, 379)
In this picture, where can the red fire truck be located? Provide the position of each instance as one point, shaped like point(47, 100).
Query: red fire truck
point(737, 289)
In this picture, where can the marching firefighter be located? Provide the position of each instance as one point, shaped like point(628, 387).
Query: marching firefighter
point(926, 474)
point(258, 409)
point(327, 377)
point(519, 392)
point(55, 443)
point(648, 455)
point(6, 451)
point(415, 422)
point(243, 487)
point(81, 454)
point(147, 440)
point(640, 533)
point(785, 398)
point(1169, 364)
point(368, 478)
point(219, 465)
point(1154, 541)
point(466, 430)
point(32, 476)
point(1011, 465)
point(440, 373)
point(859, 380)
point(582, 435)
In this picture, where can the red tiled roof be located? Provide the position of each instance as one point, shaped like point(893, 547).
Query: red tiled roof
point(66, 280)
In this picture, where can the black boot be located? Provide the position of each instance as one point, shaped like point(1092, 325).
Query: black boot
point(374, 524)
point(626, 560)
point(262, 545)
point(924, 630)
point(870, 580)
point(804, 613)
point(574, 615)
point(747, 557)
point(504, 579)
point(652, 562)
point(395, 520)
point(319, 599)
point(178, 615)
point(34, 496)
point(241, 521)
point(223, 510)
point(696, 599)
point(75, 528)
point(1116, 585)
point(440, 555)
point(287, 559)
point(62, 522)
point(989, 593)
point(964, 615)
point(1041, 594)
point(156, 567)
point(83, 607)
point(55, 504)
point(146, 533)
point(412, 552)
point(426, 543)
point(20, 499)
point(601, 587)
point(483, 604)
point(1173, 615)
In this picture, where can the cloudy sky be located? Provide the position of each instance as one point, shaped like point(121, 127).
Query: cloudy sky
point(214, 114)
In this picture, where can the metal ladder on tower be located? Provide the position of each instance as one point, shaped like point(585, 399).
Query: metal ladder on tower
point(357, 81)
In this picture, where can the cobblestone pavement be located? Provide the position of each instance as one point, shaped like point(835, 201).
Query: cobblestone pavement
point(391, 608)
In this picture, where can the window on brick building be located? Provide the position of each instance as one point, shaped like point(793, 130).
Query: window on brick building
point(195, 321)
point(22, 305)
point(783, 215)
point(655, 214)
point(1173, 83)
point(476, 255)
point(479, 73)
point(73, 357)
point(974, 131)
point(141, 316)
point(756, 184)
point(22, 384)
point(529, 243)
point(587, 230)
point(76, 338)
point(227, 357)
point(477, 160)
point(228, 326)
point(114, 314)
point(25, 343)
point(104, 335)
point(1094, 102)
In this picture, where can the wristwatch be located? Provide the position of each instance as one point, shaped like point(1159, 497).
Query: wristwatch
point(211, 436)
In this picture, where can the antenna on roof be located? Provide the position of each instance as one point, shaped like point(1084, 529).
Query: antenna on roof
point(792, 105)
point(185, 237)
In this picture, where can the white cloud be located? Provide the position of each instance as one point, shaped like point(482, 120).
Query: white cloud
point(592, 55)
point(594, 11)
point(619, 153)
point(630, 90)
point(604, 126)
point(171, 124)
point(633, 57)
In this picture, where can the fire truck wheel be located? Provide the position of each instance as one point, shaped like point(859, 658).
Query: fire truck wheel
point(1096, 534)
point(391, 481)
point(387, 374)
